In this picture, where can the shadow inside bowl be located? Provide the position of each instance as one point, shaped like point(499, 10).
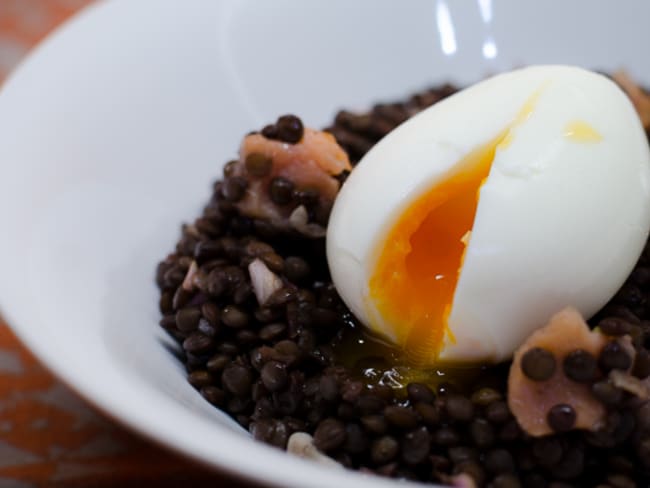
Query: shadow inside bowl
point(141, 348)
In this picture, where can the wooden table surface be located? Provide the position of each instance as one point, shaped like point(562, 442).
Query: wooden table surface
point(48, 435)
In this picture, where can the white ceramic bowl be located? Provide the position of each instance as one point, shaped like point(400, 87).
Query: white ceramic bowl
point(113, 129)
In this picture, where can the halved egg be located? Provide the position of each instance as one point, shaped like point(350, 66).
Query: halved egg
point(469, 225)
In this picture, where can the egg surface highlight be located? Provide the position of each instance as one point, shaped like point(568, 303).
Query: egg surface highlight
point(469, 225)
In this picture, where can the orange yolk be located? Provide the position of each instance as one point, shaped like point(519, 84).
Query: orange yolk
point(418, 264)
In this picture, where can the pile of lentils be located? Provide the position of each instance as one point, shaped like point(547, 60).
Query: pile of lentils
point(274, 369)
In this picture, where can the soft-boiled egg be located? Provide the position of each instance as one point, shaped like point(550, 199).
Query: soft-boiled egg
point(469, 225)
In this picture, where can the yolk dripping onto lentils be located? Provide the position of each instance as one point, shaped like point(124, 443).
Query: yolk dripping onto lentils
point(418, 264)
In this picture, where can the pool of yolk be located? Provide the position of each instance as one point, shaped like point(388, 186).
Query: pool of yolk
point(417, 266)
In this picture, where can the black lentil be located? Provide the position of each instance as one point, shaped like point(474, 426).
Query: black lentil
point(459, 408)
point(214, 395)
point(614, 326)
point(272, 331)
point(217, 362)
point(538, 364)
point(561, 418)
point(446, 437)
point(356, 441)
point(606, 392)
point(329, 435)
point(288, 128)
point(460, 454)
point(258, 164)
point(641, 364)
point(499, 461)
point(547, 451)
point(200, 379)
point(234, 317)
point(482, 433)
point(506, 481)
point(486, 396)
point(237, 379)
point(402, 417)
point(415, 446)
point(497, 412)
point(281, 190)
point(580, 366)
point(274, 375)
point(429, 414)
point(276, 369)
point(384, 450)
point(418, 392)
point(234, 188)
point(614, 356)
point(198, 343)
point(211, 313)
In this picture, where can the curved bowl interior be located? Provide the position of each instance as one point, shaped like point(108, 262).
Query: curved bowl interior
point(113, 130)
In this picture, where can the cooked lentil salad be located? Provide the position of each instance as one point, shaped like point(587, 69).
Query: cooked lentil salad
point(302, 363)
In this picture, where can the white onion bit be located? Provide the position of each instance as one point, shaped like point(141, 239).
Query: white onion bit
point(302, 445)
point(299, 221)
point(631, 384)
point(265, 282)
point(188, 282)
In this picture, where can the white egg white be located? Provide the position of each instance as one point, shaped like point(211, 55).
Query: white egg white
point(560, 221)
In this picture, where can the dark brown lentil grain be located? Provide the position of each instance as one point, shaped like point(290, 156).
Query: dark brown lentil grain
point(214, 395)
point(356, 441)
point(237, 379)
point(482, 433)
point(211, 313)
point(614, 326)
point(641, 364)
point(234, 188)
point(274, 375)
point(446, 437)
point(275, 369)
point(234, 317)
point(289, 129)
point(375, 424)
point(281, 190)
point(198, 343)
point(460, 454)
point(486, 396)
point(497, 412)
point(505, 481)
point(218, 362)
point(401, 417)
point(538, 364)
point(561, 418)
point(418, 392)
point(200, 379)
point(499, 461)
point(384, 450)
point(580, 366)
point(606, 392)
point(614, 356)
point(258, 165)
point(415, 446)
point(459, 408)
point(272, 331)
point(329, 435)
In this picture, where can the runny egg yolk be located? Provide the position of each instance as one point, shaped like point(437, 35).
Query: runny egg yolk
point(418, 264)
